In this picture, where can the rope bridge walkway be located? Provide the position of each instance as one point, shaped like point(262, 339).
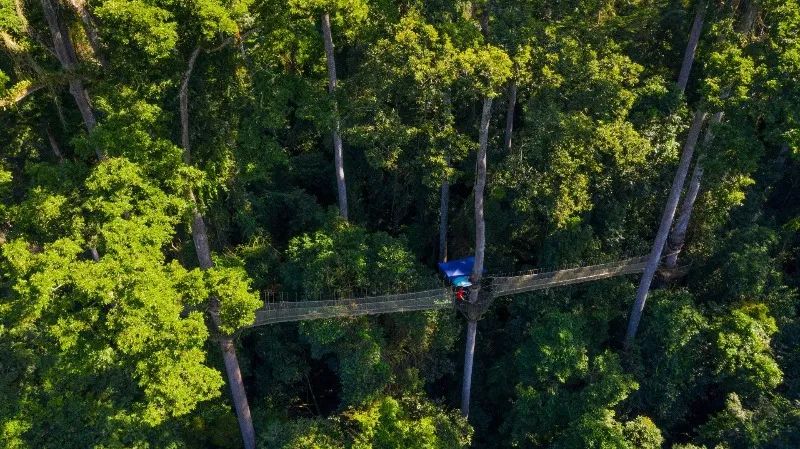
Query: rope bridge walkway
point(511, 285)
point(440, 298)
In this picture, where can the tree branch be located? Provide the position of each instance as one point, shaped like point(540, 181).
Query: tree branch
point(14, 99)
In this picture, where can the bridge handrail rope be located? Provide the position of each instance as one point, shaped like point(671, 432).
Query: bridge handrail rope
point(442, 297)
point(295, 311)
point(520, 284)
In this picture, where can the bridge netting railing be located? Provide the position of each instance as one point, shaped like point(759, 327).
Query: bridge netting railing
point(442, 297)
point(510, 285)
point(279, 312)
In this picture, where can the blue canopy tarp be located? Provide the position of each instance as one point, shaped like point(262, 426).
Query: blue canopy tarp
point(458, 271)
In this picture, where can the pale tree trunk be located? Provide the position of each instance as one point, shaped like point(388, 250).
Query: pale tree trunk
point(234, 374)
point(480, 186)
point(691, 46)
point(677, 237)
point(338, 154)
point(65, 52)
point(480, 248)
point(469, 355)
point(203, 250)
point(444, 210)
point(480, 235)
point(663, 229)
point(512, 102)
point(89, 27)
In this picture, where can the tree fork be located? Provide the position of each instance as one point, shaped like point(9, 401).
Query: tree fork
point(654, 258)
point(65, 53)
point(668, 215)
point(677, 237)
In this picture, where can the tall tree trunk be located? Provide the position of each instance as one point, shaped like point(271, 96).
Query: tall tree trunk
point(512, 103)
point(338, 155)
point(469, 355)
point(664, 227)
point(677, 237)
point(79, 6)
point(65, 52)
point(444, 210)
point(480, 248)
point(480, 186)
point(691, 46)
point(234, 374)
point(203, 250)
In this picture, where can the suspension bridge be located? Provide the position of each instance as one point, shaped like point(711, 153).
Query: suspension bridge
point(441, 298)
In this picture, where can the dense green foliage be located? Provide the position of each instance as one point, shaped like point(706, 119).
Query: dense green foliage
point(108, 326)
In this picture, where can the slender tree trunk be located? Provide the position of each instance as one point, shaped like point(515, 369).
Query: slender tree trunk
point(237, 392)
point(203, 250)
point(677, 237)
point(338, 155)
point(65, 52)
point(512, 103)
point(469, 355)
point(664, 227)
point(79, 6)
point(444, 210)
point(480, 247)
point(691, 46)
point(480, 186)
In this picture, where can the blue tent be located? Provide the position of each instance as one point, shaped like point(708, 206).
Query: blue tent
point(458, 271)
